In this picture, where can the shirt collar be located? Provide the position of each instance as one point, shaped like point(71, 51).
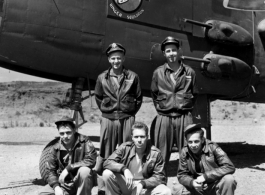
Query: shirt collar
point(110, 72)
point(147, 151)
point(167, 68)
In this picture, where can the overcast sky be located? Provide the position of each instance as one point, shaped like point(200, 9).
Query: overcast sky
point(8, 76)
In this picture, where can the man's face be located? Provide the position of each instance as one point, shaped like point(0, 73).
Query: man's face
point(171, 53)
point(139, 138)
point(67, 134)
point(116, 60)
point(195, 142)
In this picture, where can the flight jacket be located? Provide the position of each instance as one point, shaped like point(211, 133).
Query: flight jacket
point(153, 164)
point(214, 165)
point(124, 103)
point(173, 99)
point(83, 154)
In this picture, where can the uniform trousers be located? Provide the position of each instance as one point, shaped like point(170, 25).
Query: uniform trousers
point(167, 130)
point(225, 186)
point(82, 184)
point(116, 185)
point(112, 134)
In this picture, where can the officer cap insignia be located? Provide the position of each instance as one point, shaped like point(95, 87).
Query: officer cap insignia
point(114, 47)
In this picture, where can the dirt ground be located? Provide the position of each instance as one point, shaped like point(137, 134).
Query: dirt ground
point(28, 111)
point(21, 148)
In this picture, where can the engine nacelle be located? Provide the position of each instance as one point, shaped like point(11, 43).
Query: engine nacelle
point(228, 33)
point(225, 67)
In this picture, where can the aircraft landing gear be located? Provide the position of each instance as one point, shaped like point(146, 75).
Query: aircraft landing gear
point(74, 99)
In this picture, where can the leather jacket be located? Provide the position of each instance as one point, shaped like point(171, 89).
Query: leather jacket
point(153, 164)
point(124, 103)
point(83, 155)
point(173, 99)
point(214, 164)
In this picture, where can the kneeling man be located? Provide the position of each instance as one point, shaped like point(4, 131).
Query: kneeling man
point(70, 162)
point(136, 167)
point(204, 168)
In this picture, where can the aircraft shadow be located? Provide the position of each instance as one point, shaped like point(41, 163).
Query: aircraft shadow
point(245, 155)
point(94, 138)
point(39, 182)
point(172, 168)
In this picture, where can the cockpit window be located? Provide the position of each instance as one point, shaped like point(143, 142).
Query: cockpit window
point(128, 5)
point(246, 5)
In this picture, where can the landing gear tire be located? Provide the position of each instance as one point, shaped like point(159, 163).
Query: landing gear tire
point(43, 158)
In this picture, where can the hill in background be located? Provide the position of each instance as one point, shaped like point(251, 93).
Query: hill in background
point(31, 104)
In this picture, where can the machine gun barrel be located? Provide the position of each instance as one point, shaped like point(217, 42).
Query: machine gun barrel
point(195, 59)
point(197, 23)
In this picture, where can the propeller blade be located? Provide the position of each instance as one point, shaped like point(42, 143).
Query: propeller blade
point(246, 5)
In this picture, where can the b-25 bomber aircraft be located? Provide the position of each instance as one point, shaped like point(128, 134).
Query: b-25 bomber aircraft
point(65, 40)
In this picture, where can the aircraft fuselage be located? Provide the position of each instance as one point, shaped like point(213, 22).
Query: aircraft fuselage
point(66, 39)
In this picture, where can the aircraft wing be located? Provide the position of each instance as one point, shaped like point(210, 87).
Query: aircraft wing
point(246, 5)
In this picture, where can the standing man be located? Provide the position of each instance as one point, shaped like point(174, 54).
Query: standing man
point(172, 89)
point(70, 162)
point(118, 96)
point(204, 167)
point(136, 167)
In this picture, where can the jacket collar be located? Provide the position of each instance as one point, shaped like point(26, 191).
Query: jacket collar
point(167, 68)
point(205, 148)
point(78, 139)
point(124, 71)
point(147, 152)
point(111, 73)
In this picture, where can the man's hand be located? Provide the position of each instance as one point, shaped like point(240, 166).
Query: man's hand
point(197, 186)
point(200, 179)
point(139, 188)
point(62, 176)
point(58, 190)
point(129, 178)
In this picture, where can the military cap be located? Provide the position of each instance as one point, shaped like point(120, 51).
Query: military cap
point(65, 119)
point(169, 40)
point(115, 47)
point(191, 128)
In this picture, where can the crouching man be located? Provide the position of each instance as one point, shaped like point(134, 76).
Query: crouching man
point(136, 167)
point(70, 162)
point(204, 168)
